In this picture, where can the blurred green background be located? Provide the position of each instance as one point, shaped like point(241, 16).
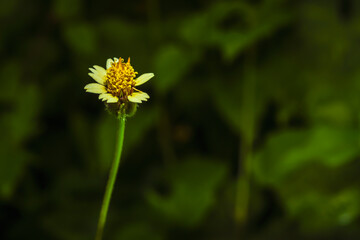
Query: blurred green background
point(251, 131)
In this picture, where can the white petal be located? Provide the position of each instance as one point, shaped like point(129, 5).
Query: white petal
point(116, 60)
point(93, 70)
point(99, 73)
point(143, 78)
point(141, 96)
point(100, 70)
point(105, 96)
point(98, 77)
point(108, 63)
point(138, 97)
point(95, 88)
point(112, 100)
point(134, 99)
point(145, 95)
point(93, 85)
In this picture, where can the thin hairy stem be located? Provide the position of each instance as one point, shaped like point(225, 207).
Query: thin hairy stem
point(112, 178)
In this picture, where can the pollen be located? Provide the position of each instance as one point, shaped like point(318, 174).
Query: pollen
point(119, 79)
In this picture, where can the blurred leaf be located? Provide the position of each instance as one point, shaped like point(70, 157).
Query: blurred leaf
point(105, 141)
point(65, 9)
point(138, 126)
point(240, 103)
point(18, 123)
point(123, 38)
point(23, 118)
point(194, 29)
point(204, 28)
point(68, 221)
point(331, 202)
point(287, 151)
point(138, 231)
point(76, 200)
point(323, 28)
point(233, 42)
point(325, 210)
point(113, 29)
point(12, 164)
point(84, 137)
point(227, 101)
point(171, 64)
point(336, 112)
point(247, 26)
point(81, 38)
point(193, 96)
point(193, 186)
point(10, 73)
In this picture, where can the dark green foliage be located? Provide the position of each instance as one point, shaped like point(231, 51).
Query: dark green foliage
point(251, 130)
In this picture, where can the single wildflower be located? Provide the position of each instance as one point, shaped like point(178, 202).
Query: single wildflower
point(116, 84)
point(116, 87)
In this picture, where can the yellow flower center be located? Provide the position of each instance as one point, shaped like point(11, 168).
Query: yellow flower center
point(120, 79)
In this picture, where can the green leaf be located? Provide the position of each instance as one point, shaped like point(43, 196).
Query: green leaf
point(18, 124)
point(332, 111)
point(248, 26)
point(65, 9)
point(138, 126)
point(239, 103)
point(105, 141)
point(224, 99)
point(138, 231)
point(83, 135)
point(23, 119)
point(234, 42)
point(10, 72)
point(196, 29)
point(12, 164)
point(325, 210)
point(193, 186)
point(122, 38)
point(287, 151)
point(332, 201)
point(171, 64)
point(81, 38)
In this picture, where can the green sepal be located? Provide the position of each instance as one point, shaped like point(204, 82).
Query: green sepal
point(118, 109)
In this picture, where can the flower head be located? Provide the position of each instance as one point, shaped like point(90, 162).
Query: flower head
point(117, 83)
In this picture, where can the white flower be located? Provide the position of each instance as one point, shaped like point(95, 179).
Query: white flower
point(116, 84)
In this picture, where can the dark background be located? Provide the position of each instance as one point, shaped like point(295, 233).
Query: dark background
point(251, 131)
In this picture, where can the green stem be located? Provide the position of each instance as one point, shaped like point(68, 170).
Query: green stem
point(112, 178)
point(248, 133)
